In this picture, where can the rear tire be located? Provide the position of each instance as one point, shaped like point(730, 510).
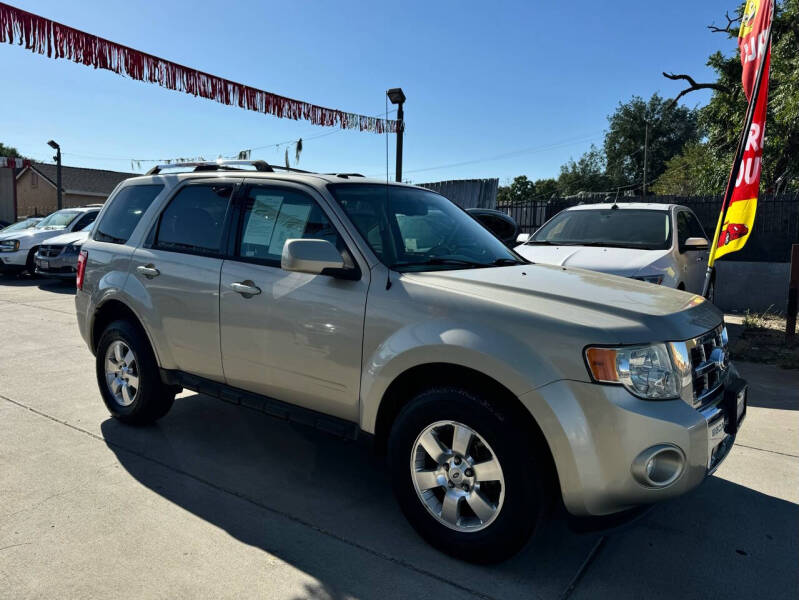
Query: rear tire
point(497, 507)
point(128, 376)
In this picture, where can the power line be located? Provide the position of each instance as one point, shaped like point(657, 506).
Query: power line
point(225, 154)
point(512, 153)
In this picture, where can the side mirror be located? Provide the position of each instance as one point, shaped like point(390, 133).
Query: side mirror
point(522, 238)
point(311, 256)
point(696, 243)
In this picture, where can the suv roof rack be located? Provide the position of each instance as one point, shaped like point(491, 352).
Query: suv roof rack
point(260, 166)
point(345, 175)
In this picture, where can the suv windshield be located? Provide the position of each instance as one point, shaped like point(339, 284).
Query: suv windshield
point(622, 228)
point(58, 220)
point(18, 226)
point(411, 229)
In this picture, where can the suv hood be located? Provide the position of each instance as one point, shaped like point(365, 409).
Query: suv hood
point(618, 261)
point(31, 235)
point(616, 310)
point(73, 237)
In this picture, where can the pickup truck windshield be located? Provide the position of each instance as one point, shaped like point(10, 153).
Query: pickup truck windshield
point(416, 230)
point(621, 228)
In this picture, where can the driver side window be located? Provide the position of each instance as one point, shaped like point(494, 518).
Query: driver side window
point(272, 215)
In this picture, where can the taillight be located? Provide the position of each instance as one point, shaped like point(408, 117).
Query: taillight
point(82, 258)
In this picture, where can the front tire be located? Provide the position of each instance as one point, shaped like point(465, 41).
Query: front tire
point(465, 475)
point(128, 376)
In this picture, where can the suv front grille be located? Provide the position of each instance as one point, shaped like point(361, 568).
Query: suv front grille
point(50, 251)
point(709, 364)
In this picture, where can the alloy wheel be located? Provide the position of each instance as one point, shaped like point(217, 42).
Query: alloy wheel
point(122, 373)
point(457, 476)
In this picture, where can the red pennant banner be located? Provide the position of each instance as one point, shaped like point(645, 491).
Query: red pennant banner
point(43, 36)
point(14, 163)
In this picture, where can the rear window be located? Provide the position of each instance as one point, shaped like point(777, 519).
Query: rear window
point(125, 211)
point(193, 221)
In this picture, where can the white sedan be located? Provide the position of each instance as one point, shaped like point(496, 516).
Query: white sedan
point(663, 244)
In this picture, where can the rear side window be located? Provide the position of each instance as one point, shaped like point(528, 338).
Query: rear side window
point(194, 220)
point(124, 212)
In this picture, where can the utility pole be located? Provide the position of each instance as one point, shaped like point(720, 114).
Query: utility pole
point(646, 143)
point(397, 96)
point(57, 158)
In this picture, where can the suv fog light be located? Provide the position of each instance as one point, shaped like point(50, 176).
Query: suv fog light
point(658, 466)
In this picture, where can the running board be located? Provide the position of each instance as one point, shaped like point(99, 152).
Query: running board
point(270, 406)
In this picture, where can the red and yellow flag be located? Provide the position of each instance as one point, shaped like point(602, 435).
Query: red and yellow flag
point(753, 41)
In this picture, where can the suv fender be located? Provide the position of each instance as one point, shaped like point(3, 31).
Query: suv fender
point(480, 349)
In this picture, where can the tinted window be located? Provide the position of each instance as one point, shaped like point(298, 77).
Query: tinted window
point(273, 215)
point(85, 220)
point(504, 229)
point(623, 227)
point(124, 212)
point(688, 226)
point(194, 219)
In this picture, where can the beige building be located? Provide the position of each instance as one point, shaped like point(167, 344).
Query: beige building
point(36, 187)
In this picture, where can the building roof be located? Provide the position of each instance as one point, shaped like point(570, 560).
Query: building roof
point(79, 180)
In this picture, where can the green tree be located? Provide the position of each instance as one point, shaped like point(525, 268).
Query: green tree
point(722, 118)
point(9, 151)
point(546, 188)
point(520, 190)
point(691, 173)
point(587, 174)
point(670, 127)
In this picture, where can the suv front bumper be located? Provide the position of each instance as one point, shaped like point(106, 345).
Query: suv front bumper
point(601, 437)
point(13, 261)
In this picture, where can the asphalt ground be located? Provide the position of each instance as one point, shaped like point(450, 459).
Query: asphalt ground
point(218, 501)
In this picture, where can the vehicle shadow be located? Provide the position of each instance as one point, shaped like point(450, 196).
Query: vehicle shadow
point(277, 486)
point(56, 286)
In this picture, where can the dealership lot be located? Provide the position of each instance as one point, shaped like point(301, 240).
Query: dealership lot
point(220, 501)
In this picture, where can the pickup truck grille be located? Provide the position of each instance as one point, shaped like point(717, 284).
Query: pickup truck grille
point(50, 251)
point(709, 364)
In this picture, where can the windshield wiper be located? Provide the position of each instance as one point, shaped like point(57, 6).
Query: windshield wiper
point(456, 261)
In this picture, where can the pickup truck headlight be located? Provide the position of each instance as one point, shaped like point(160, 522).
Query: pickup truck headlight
point(9, 245)
point(645, 371)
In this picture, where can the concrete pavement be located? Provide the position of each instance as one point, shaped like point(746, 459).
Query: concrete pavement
point(219, 501)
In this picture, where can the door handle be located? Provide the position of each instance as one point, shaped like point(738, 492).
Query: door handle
point(245, 288)
point(149, 271)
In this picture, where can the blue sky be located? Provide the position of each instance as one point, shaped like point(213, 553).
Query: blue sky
point(529, 82)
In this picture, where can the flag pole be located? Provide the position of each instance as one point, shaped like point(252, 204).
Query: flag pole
point(736, 165)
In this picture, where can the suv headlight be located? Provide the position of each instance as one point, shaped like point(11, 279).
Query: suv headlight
point(645, 371)
point(72, 249)
point(9, 245)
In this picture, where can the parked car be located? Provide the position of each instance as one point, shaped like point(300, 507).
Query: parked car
point(663, 244)
point(497, 387)
point(18, 248)
point(733, 231)
point(58, 256)
point(21, 225)
point(499, 223)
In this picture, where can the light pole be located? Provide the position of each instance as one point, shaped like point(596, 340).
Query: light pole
point(646, 143)
point(397, 96)
point(57, 158)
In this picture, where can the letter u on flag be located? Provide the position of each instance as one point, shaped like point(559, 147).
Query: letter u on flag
point(738, 213)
